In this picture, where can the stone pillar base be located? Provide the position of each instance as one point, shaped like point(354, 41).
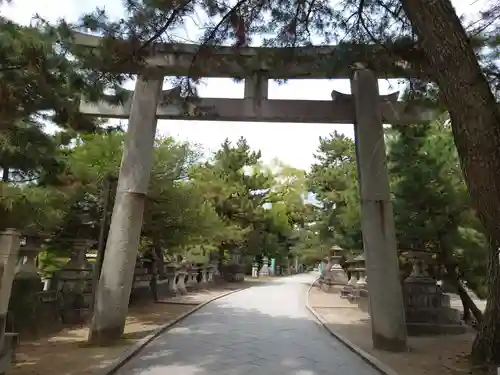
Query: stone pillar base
point(11, 341)
point(105, 336)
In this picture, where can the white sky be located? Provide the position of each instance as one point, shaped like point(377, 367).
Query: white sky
point(293, 144)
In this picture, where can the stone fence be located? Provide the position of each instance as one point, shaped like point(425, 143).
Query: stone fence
point(39, 304)
point(427, 307)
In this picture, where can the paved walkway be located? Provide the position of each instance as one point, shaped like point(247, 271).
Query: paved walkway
point(263, 330)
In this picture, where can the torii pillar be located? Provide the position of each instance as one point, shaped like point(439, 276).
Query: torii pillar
point(115, 283)
point(379, 240)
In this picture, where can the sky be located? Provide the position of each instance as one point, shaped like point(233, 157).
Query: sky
point(293, 144)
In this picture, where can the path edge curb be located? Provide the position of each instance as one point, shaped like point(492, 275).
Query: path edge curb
point(138, 346)
point(368, 358)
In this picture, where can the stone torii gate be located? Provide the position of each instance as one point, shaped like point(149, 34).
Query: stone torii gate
point(366, 109)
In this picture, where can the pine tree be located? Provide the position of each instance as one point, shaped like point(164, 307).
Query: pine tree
point(333, 179)
point(429, 197)
point(39, 79)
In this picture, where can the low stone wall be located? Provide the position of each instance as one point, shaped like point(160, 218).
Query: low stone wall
point(66, 300)
point(427, 308)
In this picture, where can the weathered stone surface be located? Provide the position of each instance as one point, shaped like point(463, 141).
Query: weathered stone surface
point(9, 246)
point(115, 283)
point(269, 110)
point(427, 309)
point(377, 221)
point(177, 59)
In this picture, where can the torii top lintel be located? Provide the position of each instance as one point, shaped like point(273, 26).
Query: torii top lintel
point(273, 63)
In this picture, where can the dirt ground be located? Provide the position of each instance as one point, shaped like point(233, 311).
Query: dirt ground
point(67, 352)
point(433, 355)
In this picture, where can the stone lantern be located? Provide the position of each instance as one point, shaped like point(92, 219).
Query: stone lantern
point(357, 281)
point(76, 275)
point(24, 304)
point(27, 278)
point(426, 307)
point(264, 271)
point(347, 290)
point(31, 245)
point(359, 268)
point(334, 270)
point(78, 259)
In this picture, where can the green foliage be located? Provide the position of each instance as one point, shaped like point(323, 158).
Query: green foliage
point(308, 245)
point(96, 156)
point(258, 206)
point(38, 77)
point(28, 153)
point(30, 207)
point(176, 214)
point(431, 205)
point(425, 202)
point(39, 82)
point(237, 189)
point(333, 179)
point(227, 203)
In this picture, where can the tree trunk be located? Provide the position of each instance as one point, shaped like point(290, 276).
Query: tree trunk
point(475, 121)
point(5, 174)
point(446, 259)
point(467, 302)
point(160, 262)
point(486, 347)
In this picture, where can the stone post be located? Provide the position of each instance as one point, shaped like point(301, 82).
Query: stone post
point(115, 282)
point(171, 274)
point(192, 273)
point(328, 266)
point(361, 281)
point(336, 272)
point(264, 271)
point(9, 251)
point(212, 269)
point(359, 271)
point(204, 275)
point(180, 282)
point(255, 268)
point(26, 267)
point(379, 239)
point(354, 277)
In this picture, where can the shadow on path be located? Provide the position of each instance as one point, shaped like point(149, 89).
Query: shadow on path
point(264, 330)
